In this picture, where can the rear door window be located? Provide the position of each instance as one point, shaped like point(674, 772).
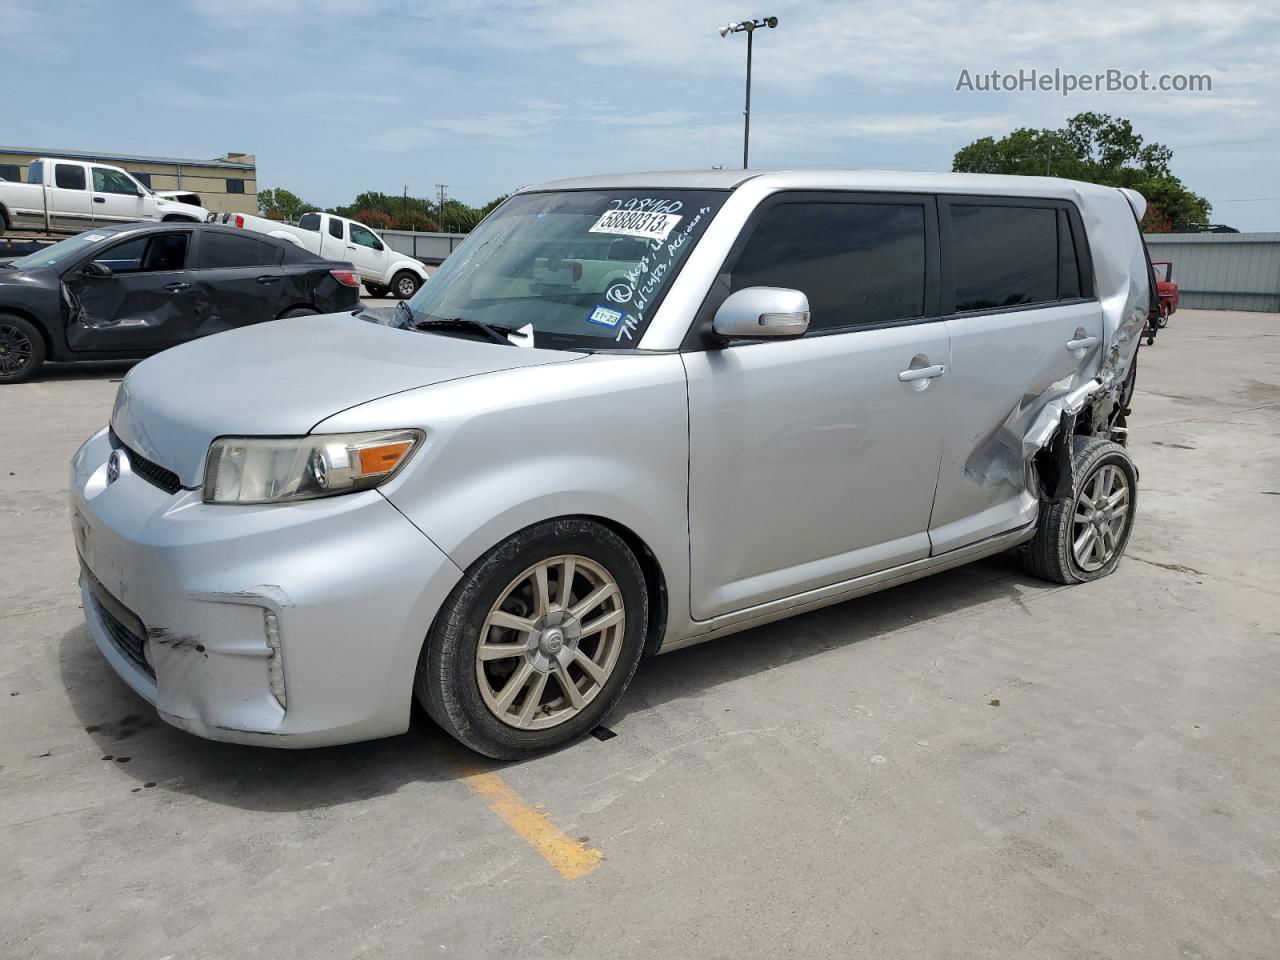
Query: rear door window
point(1011, 255)
point(69, 176)
point(227, 250)
point(858, 263)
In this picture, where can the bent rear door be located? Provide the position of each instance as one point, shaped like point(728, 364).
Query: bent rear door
point(1025, 329)
point(241, 277)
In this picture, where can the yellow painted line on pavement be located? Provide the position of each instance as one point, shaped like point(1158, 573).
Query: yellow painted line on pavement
point(567, 856)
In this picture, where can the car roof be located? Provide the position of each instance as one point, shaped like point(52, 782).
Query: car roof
point(869, 180)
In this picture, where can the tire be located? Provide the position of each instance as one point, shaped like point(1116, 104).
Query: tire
point(462, 694)
point(298, 312)
point(1162, 321)
point(405, 284)
point(1097, 466)
point(22, 349)
point(376, 290)
point(4, 222)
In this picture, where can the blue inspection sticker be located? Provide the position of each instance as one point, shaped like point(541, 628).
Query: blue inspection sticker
point(604, 316)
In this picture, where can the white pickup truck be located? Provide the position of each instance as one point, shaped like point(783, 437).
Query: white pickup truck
point(70, 196)
point(384, 272)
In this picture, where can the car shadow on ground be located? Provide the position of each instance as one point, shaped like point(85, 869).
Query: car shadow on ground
point(126, 729)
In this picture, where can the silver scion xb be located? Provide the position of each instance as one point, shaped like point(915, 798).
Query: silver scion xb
point(628, 414)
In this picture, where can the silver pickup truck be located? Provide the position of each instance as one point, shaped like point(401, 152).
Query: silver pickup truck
point(69, 196)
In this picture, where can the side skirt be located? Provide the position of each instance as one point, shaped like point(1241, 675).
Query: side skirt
point(848, 589)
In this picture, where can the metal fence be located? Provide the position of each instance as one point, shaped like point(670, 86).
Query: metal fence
point(1223, 271)
point(427, 247)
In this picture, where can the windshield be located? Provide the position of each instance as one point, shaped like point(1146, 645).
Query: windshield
point(585, 269)
point(59, 253)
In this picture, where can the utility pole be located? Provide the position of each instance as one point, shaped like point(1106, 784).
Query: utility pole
point(440, 189)
point(748, 27)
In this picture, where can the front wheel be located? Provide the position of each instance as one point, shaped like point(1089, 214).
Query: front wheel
point(1082, 537)
point(405, 284)
point(21, 349)
point(537, 641)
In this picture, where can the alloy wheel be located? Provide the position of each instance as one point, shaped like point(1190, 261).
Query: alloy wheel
point(16, 349)
point(1098, 522)
point(550, 642)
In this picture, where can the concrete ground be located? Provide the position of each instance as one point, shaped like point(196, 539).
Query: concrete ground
point(973, 765)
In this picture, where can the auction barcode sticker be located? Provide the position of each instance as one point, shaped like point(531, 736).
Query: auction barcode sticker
point(636, 223)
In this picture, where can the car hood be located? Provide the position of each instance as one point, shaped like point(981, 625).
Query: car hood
point(283, 377)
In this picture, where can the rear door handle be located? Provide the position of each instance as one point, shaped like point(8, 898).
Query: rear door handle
point(1083, 343)
point(922, 373)
point(177, 287)
point(266, 278)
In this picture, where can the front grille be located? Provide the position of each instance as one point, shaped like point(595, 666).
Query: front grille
point(129, 638)
point(148, 470)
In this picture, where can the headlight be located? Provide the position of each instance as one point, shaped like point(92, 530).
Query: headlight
point(281, 469)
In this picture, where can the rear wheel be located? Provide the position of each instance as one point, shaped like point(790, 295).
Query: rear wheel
point(405, 284)
point(376, 290)
point(1162, 320)
point(4, 223)
point(1082, 537)
point(21, 349)
point(538, 640)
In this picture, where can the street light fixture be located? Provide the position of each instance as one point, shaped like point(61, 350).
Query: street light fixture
point(748, 27)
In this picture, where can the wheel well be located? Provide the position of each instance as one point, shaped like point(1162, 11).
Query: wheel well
point(655, 581)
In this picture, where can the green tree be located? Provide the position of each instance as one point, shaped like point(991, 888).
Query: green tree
point(277, 203)
point(1096, 148)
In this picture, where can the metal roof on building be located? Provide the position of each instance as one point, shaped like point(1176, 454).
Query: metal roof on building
point(104, 157)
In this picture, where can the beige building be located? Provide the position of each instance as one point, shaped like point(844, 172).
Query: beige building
point(228, 184)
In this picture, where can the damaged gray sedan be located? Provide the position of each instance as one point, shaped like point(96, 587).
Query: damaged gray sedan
point(628, 414)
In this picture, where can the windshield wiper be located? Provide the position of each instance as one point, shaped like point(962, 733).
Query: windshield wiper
point(497, 334)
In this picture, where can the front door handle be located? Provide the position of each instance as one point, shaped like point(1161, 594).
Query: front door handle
point(922, 373)
point(177, 287)
point(1082, 343)
point(99, 199)
point(266, 278)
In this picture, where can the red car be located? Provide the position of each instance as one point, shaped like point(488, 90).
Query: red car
point(1167, 289)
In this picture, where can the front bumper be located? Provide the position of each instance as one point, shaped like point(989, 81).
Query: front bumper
point(185, 599)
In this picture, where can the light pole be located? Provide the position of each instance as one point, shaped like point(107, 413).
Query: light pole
point(749, 28)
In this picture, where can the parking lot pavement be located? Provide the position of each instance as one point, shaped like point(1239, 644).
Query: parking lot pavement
point(974, 765)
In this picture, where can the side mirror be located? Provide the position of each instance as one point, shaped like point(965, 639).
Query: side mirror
point(762, 312)
point(96, 270)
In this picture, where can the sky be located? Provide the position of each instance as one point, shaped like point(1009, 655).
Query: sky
point(340, 96)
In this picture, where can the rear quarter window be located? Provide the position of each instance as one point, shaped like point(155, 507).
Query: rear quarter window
point(310, 221)
point(1010, 255)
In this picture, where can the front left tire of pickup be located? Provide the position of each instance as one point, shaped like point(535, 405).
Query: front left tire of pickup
point(22, 349)
point(405, 284)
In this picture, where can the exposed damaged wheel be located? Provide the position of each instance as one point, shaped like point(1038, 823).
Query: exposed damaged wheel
point(537, 641)
point(21, 349)
point(1082, 537)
